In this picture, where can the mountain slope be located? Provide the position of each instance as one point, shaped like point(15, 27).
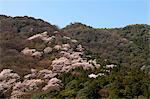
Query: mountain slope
point(38, 60)
point(13, 34)
point(127, 46)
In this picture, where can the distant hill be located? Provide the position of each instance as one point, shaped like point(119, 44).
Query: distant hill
point(13, 34)
point(39, 60)
point(127, 46)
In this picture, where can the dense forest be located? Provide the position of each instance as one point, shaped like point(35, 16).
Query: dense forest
point(126, 48)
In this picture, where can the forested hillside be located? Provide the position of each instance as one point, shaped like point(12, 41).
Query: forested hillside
point(128, 46)
point(40, 61)
point(13, 35)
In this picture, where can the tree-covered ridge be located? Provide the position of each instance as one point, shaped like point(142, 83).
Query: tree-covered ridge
point(120, 83)
point(76, 62)
point(127, 46)
point(13, 34)
point(139, 36)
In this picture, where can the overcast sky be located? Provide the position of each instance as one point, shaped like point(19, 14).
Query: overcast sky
point(96, 13)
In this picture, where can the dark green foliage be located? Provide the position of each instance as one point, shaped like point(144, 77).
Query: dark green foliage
point(139, 36)
point(89, 55)
point(128, 83)
point(127, 46)
point(121, 82)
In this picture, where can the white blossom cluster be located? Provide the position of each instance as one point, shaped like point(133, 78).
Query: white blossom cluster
point(36, 80)
point(7, 80)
